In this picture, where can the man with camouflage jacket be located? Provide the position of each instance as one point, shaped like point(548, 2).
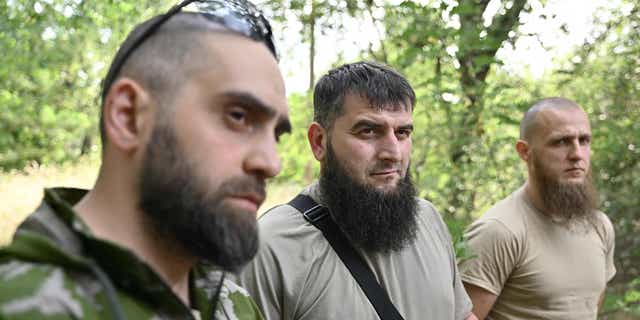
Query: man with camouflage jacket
point(192, 107)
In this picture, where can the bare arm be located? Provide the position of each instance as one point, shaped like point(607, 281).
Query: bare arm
point(482, 300)
point(471, 317)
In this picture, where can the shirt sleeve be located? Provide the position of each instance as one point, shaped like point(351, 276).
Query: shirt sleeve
point(495, 252)
point(462, 300)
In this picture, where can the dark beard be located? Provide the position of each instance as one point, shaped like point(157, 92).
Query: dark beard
point(374, 221)
point(181, 211)
point(568, 203)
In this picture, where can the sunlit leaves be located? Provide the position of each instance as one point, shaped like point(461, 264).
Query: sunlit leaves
point(53, 57)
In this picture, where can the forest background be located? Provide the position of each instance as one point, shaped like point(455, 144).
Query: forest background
point(461, 57)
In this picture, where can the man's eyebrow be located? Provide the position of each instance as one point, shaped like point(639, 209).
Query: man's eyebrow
point(374, 125)
point(406, 127)
point(255, 105)
point(283, 126)
point(560, 136)
point(365, 123)
point(250, 102)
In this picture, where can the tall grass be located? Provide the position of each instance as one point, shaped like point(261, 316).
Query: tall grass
point(21, 192)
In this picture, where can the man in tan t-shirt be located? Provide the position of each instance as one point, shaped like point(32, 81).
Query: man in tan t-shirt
point(545, 251)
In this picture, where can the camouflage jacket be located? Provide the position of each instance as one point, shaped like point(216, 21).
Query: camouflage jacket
point(56, 269)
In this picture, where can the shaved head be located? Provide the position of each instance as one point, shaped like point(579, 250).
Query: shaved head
point(530, 121)
point(165, 60)
point(555, 141)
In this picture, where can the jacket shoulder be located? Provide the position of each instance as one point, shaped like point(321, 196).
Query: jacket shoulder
point(235, 300)
point(35, 290)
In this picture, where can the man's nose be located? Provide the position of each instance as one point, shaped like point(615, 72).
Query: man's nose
point(263, 160)
point(389, 147)
point(578, 151)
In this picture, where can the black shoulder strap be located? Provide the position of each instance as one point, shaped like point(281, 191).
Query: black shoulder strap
point(318, 216)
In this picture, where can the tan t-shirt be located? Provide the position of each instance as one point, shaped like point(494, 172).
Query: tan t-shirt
point(297, 275)
point(537, 268)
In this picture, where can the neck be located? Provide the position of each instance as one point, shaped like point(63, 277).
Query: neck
point(105, 208)
point(531, 191)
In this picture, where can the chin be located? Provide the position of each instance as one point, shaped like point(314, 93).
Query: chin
point(387, 187)
point(573, 181)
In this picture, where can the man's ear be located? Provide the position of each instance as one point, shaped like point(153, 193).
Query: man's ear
point(127, 115)
point(318, 136)
point(523, 149)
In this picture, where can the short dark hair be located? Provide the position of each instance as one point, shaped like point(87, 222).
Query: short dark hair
point(379, 84)
point(163, 61)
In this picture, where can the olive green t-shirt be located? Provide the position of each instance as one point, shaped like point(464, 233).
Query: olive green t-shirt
point(297, 275)
point(539, 269)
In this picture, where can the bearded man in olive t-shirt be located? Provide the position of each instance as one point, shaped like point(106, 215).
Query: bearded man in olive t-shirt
point(361, 135)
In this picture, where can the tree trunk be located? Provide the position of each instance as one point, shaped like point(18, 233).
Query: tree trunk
point(312, 45)
point(476, 55)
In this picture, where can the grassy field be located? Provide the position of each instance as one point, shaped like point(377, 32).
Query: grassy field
point(20, 193)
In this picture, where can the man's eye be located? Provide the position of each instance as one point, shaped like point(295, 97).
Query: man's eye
point(403, 133)
point(238, 116)
point(366, 132)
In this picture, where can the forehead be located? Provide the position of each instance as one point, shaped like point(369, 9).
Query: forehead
point(562, 122)
point(236, 63)
point(356, 107)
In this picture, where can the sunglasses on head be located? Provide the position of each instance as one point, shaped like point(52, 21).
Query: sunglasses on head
point(239, 16)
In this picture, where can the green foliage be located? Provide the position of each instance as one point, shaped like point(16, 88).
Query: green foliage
point(54, 56)
point(627, 301)
point(55, 52)
point(298, 165)
point(456, 228)
point(447, 51)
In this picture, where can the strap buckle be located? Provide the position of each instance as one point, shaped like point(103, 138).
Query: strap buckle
point(315, 214)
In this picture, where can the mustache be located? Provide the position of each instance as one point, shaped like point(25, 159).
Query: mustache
point(386, 166)
point(244, 185)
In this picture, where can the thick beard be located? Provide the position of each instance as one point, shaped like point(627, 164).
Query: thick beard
point(570, 204)
point(181, 211)
point(375, 221)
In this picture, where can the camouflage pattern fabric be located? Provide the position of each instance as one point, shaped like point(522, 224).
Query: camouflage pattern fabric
point(55, 269)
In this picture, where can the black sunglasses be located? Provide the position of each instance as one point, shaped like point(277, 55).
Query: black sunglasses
point(239, 16)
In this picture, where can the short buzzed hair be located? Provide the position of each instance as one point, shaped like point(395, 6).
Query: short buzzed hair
point(163, 62)
point(529, 123)
point(379, 84)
